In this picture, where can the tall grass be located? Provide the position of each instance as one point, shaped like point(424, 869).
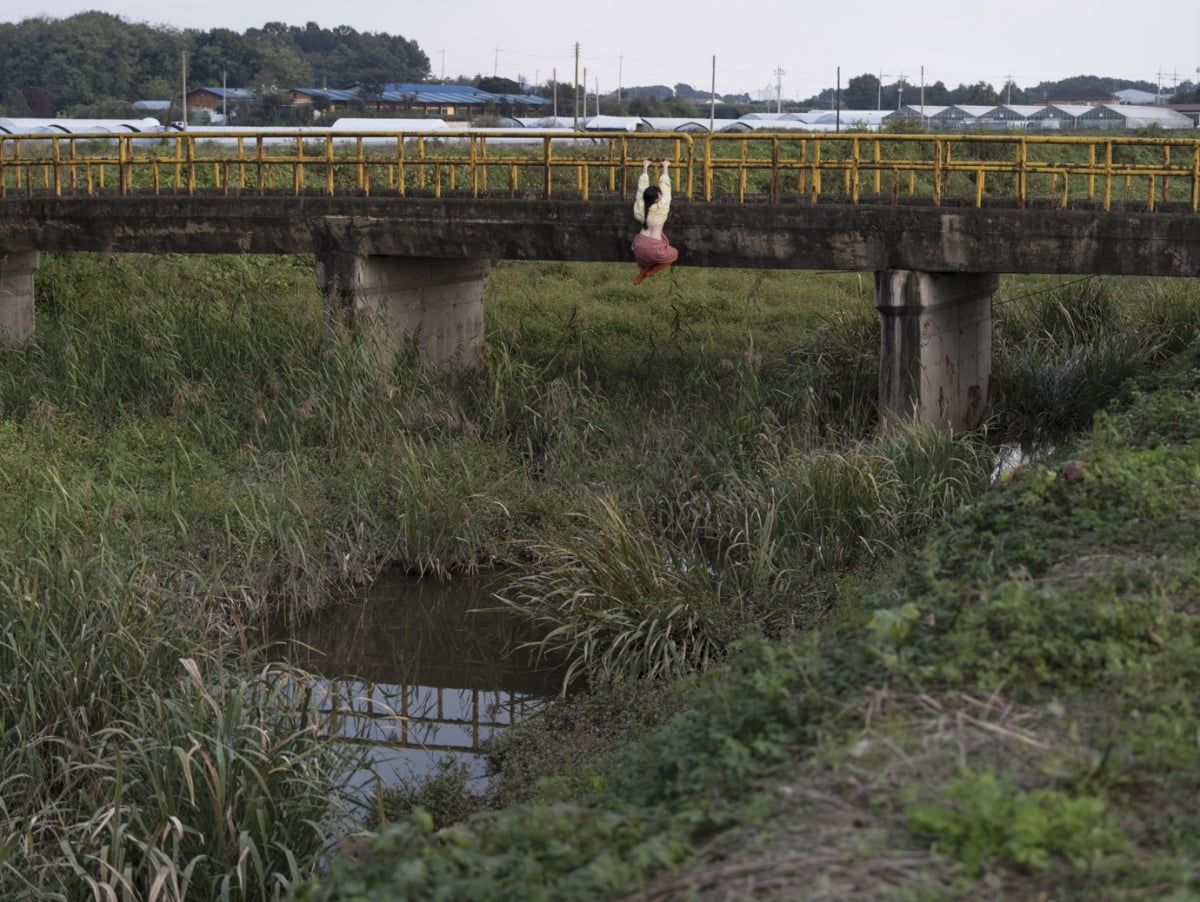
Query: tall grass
point(1063, 351)
point(659, 593)
point(189, 451)
point(136, 765)
point(619, 600)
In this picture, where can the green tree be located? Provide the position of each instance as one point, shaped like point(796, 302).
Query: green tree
point(15, 104)
point(499, 86)
point(1011, 93)
point(648, 105)
point(862, 93)
point(981, 93)
point(937, 94)
point(1187, 92)
point(677, 106)
point(222, 54)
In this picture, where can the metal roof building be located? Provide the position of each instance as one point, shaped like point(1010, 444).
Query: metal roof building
point(443, 100)
point(1133, 95)
point(1007, 115)
point(957, 114)
point(1120, 115)
point(1058, 115)
point(78, 126)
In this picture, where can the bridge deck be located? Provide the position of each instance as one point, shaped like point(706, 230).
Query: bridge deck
point(785, 235)
point(937, 203)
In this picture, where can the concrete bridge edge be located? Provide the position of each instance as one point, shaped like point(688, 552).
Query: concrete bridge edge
point(435, 302)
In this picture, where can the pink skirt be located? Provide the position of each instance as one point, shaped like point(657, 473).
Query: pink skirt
point(650, 252)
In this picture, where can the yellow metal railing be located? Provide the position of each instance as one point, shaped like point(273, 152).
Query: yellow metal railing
point(1101, 169)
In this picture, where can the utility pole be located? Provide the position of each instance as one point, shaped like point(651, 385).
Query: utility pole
point(443, 52)
point(496, 64)
point(575, 93)
point(554, 89)
point(779, 73)
point(922, 93)
point(879, 93)
point(183, 95)
point(712, 96)
point(900, 91)
point(837, 104)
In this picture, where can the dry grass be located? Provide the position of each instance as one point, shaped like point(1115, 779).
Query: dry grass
point(839, 834)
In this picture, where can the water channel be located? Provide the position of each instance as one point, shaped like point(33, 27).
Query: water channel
point(418, 670)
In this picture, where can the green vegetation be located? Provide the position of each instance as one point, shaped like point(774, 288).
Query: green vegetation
point(685, 481)
point(1003, 711)
point(95, 64)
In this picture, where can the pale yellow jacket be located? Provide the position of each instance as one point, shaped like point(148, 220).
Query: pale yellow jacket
point(661, 208)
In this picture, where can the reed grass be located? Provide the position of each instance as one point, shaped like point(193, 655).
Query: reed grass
point(1062, 351)
point(136, 765)
point(649, 592)
point(619, 600)
point(192, 454)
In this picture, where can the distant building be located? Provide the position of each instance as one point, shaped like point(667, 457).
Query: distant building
point(1191, 110)
point(1134, 96)
point(1049, 116)
point(960, 115)
point(160, 107)
point(1058, 116)
point(1008, 115)
point(1124, 116)
point(454, 101)
point(217, 98)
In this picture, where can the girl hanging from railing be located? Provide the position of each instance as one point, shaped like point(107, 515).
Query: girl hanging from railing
point(651, 206)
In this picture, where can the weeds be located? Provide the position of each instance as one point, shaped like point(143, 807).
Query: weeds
point(987, 821)
point(1062, 353)
point(189, 451)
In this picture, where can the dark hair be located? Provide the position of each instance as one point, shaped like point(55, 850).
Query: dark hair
point(649, 196)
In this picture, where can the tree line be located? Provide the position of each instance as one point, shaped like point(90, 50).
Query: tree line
point(96, 64)
point(867, 92)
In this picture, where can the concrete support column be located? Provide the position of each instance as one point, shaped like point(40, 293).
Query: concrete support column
point(436, 301)
point(16, 294)
point(936, 353)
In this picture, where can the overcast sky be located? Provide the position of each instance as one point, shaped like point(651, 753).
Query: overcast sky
point(757, 46)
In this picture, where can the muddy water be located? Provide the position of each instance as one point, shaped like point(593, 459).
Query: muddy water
point(417, 673)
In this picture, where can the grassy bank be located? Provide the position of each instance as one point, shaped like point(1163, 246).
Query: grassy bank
point(1004, 711)
point(192, 455)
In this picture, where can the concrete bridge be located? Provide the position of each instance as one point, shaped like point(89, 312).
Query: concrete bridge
point(415, 257)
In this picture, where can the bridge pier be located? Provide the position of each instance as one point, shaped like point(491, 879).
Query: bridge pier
point(936, 352)
point(438, 302)
point(16, 294)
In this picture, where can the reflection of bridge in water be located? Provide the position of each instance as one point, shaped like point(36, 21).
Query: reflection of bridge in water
point(416, 671)
point(423, 718)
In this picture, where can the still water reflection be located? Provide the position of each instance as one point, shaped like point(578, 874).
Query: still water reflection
point(416, 672)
